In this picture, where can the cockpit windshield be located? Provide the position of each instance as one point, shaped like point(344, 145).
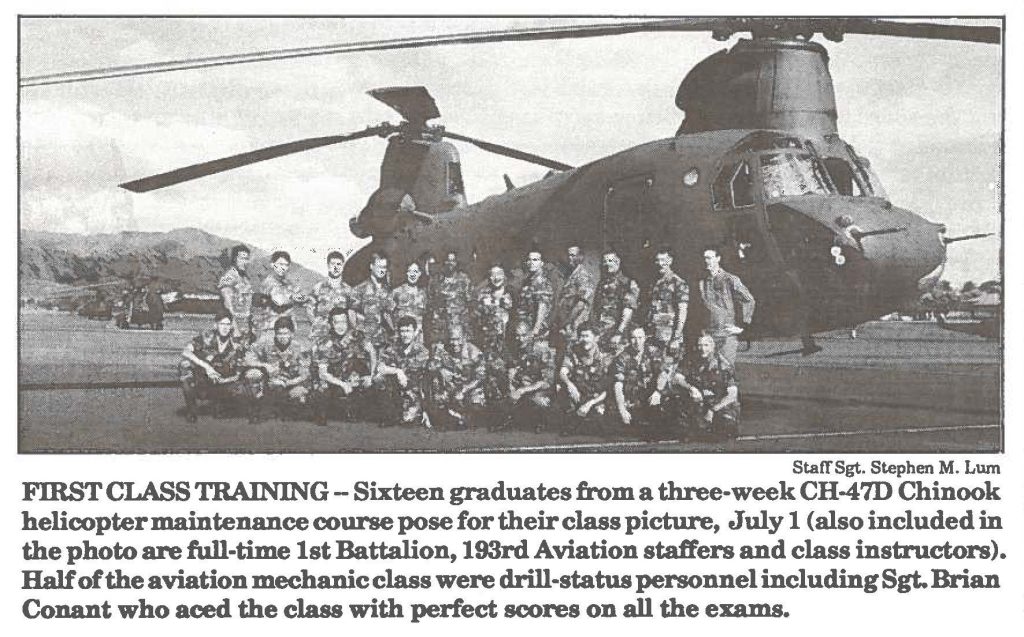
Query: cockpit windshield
point(789, 174)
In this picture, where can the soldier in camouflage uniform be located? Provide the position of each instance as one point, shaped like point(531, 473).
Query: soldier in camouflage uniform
point(410, 299)
point(211, 366)
point(670, 297)
point(400, 374)
point(531, 381)
point(615, 300)
point(328, 295)
point(373, 304)
point(634, 375)
point(492, 313)
point(584, 376)
point(449, 297)
point(572, 308)
point(236, 294)
point(709, 393)
point(456, 372)
point(533, 303)
point(280, 293)
point(277, 366)
point(345, 365)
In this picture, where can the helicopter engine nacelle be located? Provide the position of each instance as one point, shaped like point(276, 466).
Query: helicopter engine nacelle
point(418, 177)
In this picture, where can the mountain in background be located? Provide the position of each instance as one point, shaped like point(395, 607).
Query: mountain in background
point(187, 260)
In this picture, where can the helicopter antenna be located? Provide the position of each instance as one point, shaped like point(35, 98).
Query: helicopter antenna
point(721, 28)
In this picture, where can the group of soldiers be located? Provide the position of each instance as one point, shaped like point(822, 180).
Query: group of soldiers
point(554, 349)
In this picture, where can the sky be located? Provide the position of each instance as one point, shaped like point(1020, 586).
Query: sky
point(927, 114)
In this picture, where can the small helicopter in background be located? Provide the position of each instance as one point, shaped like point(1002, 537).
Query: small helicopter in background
point(757, 168)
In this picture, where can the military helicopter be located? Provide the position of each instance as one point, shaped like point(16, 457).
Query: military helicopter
point(756, 167)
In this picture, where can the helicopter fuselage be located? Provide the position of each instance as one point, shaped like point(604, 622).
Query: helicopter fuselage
point(814, 259)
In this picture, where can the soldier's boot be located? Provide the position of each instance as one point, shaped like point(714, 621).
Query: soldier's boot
point(319, 406)
point(188, 389)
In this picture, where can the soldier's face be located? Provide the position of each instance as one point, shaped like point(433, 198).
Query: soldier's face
point(455, 341)
point(637, 338)
point(664, 263)
point(711, 260)
point(588, 339)
point(406, 333)
point(534, 262)
point(242, 260)
point(224, 327)
point(522, 335)
point(497, 277)
point(412, 274)
point(379, 269)
point(706, 347)
point(334, 268)
point(281, 266)
point(339, 324)
point(575, 256)
point(283, 336)
point(610, 263)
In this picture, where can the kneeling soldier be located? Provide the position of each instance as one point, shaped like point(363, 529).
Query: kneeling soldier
point(400, 374)
point(210, 366)
point(455, 393)
point(584, 375)
point(277, 366)
point(345, 362)
point(531, 378)
point(635, 375)
point(710, 384)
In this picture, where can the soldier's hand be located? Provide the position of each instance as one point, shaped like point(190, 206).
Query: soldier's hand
point(459, 396)
point(277, 383)
point(655, 399)
point(345, 387)
point(574, 394)
point(709, 416)
point(695, 394)
point(627, 418)
point(515, 395)
point(583, 410)
point(366, 382)
point(402, 379)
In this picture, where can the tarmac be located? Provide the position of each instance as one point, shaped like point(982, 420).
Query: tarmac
point(88, 387)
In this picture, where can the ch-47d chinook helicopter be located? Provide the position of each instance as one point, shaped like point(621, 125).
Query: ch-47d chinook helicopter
point(757, 167)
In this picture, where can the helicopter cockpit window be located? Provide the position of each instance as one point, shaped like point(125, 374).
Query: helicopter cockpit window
point(842, 175)
point(734, 187)
point(870, 179)
point(793, 175)
point(455, 186)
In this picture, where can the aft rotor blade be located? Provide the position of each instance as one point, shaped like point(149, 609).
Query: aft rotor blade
point(924, 30)
point(510, 152)
point(223, 164)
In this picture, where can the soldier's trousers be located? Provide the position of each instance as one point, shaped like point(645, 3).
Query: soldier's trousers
point(196, 385)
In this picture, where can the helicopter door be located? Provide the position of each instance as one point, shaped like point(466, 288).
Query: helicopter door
point(625, 223)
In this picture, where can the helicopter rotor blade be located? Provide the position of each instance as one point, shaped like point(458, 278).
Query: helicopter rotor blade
point(223, 164)
point(721, 28)
point(498, 149)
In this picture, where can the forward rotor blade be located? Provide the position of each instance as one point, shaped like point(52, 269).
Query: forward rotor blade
point(215, 166)
point(923, 30)
point(510, 152)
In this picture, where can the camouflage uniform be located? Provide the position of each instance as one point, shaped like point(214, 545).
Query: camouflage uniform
point(241, 300)
point(492, 315)
point(409, 300)
point(350, 358)
point(534, 364)
point(573, 306)
point(712, 378)
point(450, 374)
point(448, 300)
point(282, 295)
point(224, 356)
point(374, 303)
point(413, 360)
point(667, 294)
point(325, 296)
point(534, 298)
point(588, 373)
point(613, 294)
point(289, 363)
point(638, 373)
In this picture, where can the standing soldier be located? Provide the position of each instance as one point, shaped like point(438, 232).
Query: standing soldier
point(493, 304)
point(210, 365)
point(531, 380)
point(574, 299)
point(457, 372)
point(615, 300)
point(345, 364)
point(448, 298)
point(277, 366)
point(726, 300)
point(281, 294)
point(635, 374)
point(410, 299)
point(533, 304)
point(372, 303)
point(584, 375)
point(236, 293)
point(400, 373)
point(328, 295)
point(670, 296)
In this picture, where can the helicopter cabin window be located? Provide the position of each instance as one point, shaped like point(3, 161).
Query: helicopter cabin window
point(455, 186)
point(842, 175)
point(793, 175)
point(734, 187)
